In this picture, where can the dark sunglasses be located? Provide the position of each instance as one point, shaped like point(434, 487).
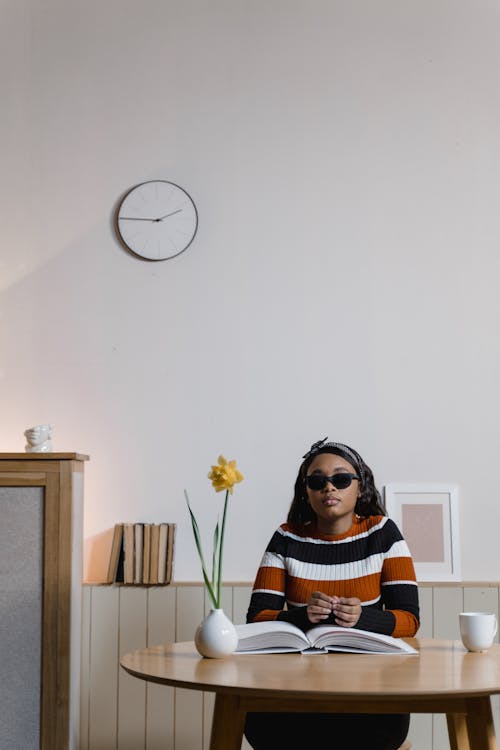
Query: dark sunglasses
point(340, 481)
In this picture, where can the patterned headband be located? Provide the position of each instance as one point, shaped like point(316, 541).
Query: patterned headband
point(321, 445)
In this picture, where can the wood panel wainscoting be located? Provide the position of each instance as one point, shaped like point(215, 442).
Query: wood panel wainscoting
point(122, 713)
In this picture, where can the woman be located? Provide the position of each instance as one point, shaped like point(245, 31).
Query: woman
point(338, 560)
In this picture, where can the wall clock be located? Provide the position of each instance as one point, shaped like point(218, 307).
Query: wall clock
point(156, 220)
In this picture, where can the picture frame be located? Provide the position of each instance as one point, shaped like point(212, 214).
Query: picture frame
point(427, 516)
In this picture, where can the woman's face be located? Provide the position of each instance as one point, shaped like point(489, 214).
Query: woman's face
point(334, 508)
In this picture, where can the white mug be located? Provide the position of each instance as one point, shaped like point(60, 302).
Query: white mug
point(478, 630)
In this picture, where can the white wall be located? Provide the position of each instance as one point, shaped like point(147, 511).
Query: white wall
point(345, 160)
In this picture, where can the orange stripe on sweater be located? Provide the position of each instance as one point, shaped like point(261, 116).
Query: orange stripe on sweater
point(266, 614)
point(270, 578)
point(406, 624)
point(398, 569)
point(367, 588)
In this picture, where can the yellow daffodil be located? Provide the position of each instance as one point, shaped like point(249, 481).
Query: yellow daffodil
point(224, 475)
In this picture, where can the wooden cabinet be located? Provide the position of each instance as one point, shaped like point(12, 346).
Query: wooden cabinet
point(41, 512)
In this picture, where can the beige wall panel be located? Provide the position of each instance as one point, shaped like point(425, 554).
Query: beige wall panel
point(495, 706)
point(103, 668)
point(161, 615)
point(188, 730)
point(208, 712)
point(85, 669)
point(160, 719)
point(425, 596)
point(440, 740)
point(481, 599)
point(241, 600)
point(420, 732)
point(132, 635)
point(226, 603)
point(188, 703)
point(190, 611)
point(448, 603)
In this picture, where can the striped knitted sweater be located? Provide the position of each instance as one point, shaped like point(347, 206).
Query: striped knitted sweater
point(371, 561)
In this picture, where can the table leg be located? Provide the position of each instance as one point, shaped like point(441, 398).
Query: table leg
point(480, 725)
point(228, 723)
point(457, 732)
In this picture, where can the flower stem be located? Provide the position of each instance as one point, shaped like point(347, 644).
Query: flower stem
point(218, 593)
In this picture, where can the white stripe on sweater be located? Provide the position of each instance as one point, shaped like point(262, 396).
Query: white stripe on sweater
point(399, 583)
point(345, 571)
point(346, 540)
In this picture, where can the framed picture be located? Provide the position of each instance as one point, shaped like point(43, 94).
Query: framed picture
point(427, 515)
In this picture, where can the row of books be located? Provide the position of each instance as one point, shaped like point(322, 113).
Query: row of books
point(142, 553)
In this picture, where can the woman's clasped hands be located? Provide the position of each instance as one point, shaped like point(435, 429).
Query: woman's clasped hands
point(346, 610)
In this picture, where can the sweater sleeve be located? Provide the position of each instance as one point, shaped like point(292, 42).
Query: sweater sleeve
point(398, 585)
point(399, 615)
point(268, 595)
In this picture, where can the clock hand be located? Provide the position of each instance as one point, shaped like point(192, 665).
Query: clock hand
point(170, 214)
point(135, 218)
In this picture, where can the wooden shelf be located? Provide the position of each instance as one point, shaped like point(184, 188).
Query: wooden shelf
point(49, 456)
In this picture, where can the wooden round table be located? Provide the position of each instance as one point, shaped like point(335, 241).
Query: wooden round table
point(442, 678)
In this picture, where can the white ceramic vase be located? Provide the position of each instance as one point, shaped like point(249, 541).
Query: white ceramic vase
point(216, 637)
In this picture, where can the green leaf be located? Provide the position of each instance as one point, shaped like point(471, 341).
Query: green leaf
point(197, 539)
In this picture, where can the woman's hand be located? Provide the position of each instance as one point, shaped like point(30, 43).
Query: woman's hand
point(319, 606)
point(346, 611)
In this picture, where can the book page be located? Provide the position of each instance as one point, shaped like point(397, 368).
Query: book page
point(272, 635)
point(352, 639)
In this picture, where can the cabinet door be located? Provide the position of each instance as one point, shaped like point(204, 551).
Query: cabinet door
point(21, 580)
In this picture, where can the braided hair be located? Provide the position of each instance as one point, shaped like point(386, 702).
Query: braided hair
point(369, 503)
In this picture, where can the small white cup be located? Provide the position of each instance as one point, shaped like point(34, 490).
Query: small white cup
point(478, 630)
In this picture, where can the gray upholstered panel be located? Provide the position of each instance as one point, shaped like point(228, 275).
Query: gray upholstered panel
point(21, 548)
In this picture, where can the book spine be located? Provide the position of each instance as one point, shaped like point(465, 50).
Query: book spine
point(162, 552)
point(155, 545)
point(114, 557)
point(138, 551)
point(128, 535)
point(146, 553)
point(170, 552)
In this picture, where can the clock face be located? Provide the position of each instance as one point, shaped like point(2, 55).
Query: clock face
point(157, 220)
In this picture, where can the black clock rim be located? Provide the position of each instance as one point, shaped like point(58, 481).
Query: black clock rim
point(117, 226)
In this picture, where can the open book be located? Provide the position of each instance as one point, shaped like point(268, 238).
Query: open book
point(275, 636)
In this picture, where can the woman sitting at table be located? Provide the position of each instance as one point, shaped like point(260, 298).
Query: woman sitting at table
point(339, 559)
